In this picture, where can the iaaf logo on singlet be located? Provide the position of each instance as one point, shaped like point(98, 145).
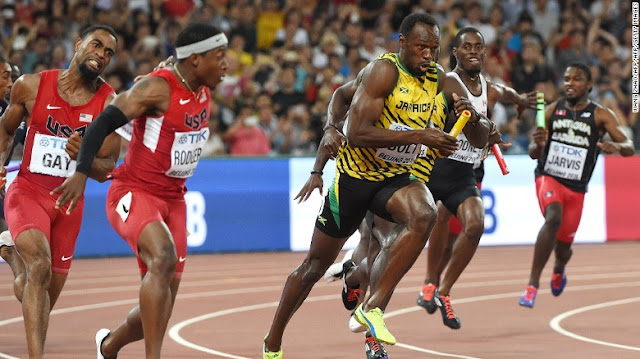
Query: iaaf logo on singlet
point(194, 122)
point(63, 130)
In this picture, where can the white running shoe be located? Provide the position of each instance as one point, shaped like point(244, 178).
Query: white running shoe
point(356, 327)
point(334, 272)
point(6, 240)
point(100, 335)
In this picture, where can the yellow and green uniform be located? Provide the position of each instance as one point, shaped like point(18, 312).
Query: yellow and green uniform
point(408, 107)
point(366, 178)
point(423, 165)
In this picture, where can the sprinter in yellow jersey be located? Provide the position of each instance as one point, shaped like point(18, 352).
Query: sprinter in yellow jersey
point(385, 232)
point(387, 123)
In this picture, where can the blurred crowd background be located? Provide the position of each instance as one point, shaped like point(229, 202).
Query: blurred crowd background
point(286, 57)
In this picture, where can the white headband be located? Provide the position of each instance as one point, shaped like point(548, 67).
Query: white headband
point(201, 46)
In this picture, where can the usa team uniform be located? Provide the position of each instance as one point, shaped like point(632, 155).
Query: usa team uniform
point(45, 165)
point(164, 151)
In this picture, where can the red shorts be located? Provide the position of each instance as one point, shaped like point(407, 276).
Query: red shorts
point(144, 208)
point(455, 227)
point(30, 206)
point(549, 191)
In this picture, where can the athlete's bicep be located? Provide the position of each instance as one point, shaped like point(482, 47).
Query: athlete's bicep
point(495, 93)
point(17, 110)
point(378, 81)
point(110, 147)
point(148, 96)
point(611, 124)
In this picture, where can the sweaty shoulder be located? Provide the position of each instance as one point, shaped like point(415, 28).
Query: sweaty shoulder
point(451, 85)
point(379, 78)
point(152, 86)
point(25, 88)
point(603, 114)
point(150, 95)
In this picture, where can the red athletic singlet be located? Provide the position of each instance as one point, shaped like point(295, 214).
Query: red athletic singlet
point(164, 150)
point(45, 165)
point(52, 121)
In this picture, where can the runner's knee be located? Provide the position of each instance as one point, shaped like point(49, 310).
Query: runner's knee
point(39, 271)
point(312, 269)
point(553, 215)
point(423, 220)
point(473, 229)
point(164, 262)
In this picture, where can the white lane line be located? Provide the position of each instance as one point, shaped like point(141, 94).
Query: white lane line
point(174, 331)
point(427, 351)
point(512, 295)
point(310, 299)
point(213, 282)
point(5, 356)
point(555, 323)
point(79, 308)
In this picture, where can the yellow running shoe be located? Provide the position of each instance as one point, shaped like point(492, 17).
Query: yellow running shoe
point(270, 355)
point(374, 321)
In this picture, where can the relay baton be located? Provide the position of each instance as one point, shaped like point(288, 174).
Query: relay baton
point(462, 120)
point(498, 153)
point(540, 120)
point(12, 168)
point(458, 126)
point(9, 169)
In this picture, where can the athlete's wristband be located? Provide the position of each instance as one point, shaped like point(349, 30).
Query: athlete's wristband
point(108, 121)
point(315, 172)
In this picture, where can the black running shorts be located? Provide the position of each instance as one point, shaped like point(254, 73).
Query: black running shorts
point(452, 194)
point(349, 199)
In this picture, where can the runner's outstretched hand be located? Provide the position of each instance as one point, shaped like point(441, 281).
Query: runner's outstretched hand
point(314, 181)
point(71, 190)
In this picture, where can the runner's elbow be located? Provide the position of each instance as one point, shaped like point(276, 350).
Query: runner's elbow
point(356, 138)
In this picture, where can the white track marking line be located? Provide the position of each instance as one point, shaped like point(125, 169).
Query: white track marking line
point(423, 350)
point(555, 323)
point(212, 282)
point(5, 356)
point(310, 299)
point(174, 331)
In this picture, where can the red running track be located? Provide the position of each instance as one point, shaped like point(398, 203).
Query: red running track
point(226, 303)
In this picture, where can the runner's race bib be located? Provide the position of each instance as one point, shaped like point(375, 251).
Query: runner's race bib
point(126, 131)
point(402, 155)
point(565, 161)
point(48, 156)
point(466, 152)
point(185, 152)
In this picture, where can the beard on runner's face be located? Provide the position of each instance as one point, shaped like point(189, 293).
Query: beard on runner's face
point(87, 72)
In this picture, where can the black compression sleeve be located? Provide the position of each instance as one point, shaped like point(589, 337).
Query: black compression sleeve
point(108, 121)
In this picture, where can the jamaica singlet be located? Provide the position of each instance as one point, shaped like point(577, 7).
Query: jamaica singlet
point(423, 165)
point(408, 107)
